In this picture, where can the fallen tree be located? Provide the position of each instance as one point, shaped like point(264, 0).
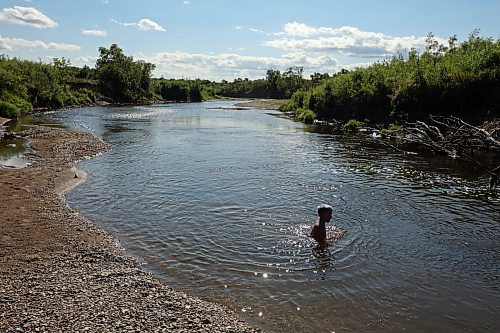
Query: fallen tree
point(453, 136)
point(450, 136)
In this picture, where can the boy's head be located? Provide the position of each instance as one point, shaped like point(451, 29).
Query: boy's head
point(325, 212)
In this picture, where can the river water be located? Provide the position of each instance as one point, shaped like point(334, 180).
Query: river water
point(218, 203)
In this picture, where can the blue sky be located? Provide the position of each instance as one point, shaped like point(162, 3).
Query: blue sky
point(226, 39)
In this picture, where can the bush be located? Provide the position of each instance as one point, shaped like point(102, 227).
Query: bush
point(287, 106)
point(12, 106)
point(9, 110)
point(391, 129)
point(306, 115)
point(352, 125)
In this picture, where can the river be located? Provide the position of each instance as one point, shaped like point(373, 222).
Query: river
point(218, 203)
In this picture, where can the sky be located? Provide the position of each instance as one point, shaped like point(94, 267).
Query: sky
point(229, 39)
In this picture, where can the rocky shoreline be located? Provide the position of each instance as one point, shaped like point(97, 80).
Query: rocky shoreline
point(60, 273)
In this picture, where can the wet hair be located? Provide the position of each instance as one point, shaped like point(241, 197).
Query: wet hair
point(323, 208)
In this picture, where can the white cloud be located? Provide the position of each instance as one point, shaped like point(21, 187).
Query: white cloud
point(94, 32)
point(256, 30)
point(186, 2)
point(7, 43)
point(86, 60)
point(353, 66)
point(316, 49)
point(242, 27)
point(298, 29)
point(230, 65)
point(146, 24)
point(26, 16)
point(345, 40)
point(143, 24)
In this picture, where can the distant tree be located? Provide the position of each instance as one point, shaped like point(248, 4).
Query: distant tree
point(195, 94)
point(273, 78)
point(292, 80)
point(317, 78)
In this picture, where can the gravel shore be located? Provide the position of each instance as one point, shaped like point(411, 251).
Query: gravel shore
point(60, 273)
point(264, 104)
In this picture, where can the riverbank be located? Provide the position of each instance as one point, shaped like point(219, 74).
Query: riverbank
point(59, 272)
point(264, 104)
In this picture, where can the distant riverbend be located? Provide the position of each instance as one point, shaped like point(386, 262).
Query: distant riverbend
point(219, 203)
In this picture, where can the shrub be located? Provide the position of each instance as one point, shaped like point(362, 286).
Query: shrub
point(391, 129)
point(287, 106)
point(12, 106)
point(9, 110)
point(352, 125)
point(306, 115)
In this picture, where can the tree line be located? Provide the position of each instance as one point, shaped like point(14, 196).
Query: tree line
point(25, 85)
point(455, 79)
point(116, 78)
point(276, 85)
point(461, 79)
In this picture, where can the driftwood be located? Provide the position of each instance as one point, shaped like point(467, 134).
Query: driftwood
point(453, 137)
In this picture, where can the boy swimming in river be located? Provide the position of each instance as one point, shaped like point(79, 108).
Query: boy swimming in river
point(318, 231)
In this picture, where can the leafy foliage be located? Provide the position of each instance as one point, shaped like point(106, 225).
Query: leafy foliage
point(352, 125)
point(276, 85)
point(27, 85)
point(306, 115)
point(178, 90)
point(463, 80)
point(121, 79)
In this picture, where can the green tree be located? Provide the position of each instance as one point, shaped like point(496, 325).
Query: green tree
point(457, 79)
point(121, 79)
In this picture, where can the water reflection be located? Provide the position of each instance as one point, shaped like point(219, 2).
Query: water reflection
point(11, 153)
point(109, 129)
point(324, 259)
point(11, 146)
